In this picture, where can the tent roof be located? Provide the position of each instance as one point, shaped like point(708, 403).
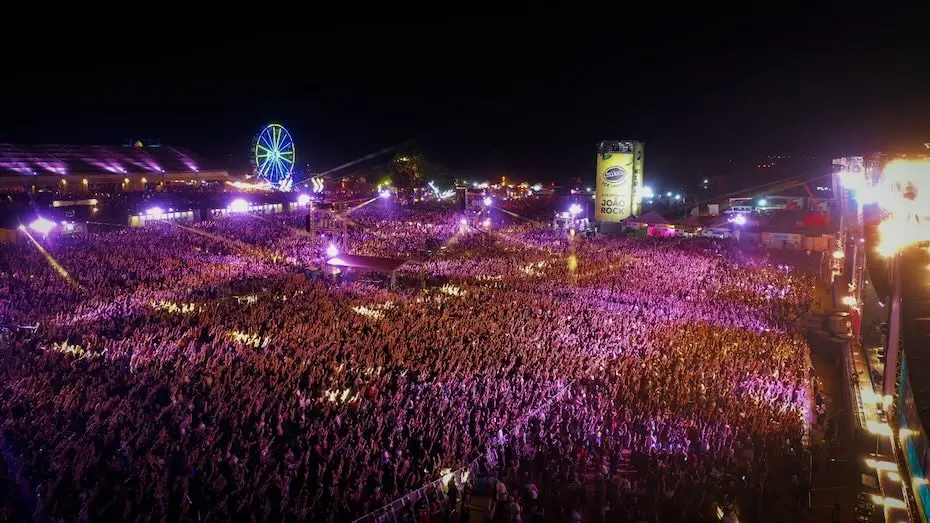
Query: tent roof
point(721, 222)
point(368, 263)
point(652, 218)
point(692, 221)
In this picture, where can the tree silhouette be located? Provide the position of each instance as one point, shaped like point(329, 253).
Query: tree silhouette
point(407, 166)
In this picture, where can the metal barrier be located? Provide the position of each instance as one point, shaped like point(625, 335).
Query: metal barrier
point(440, 487)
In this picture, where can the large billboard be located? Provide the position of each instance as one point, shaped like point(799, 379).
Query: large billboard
point(616, 180)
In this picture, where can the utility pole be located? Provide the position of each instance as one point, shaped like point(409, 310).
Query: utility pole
point(345, 235)
point(894, 330)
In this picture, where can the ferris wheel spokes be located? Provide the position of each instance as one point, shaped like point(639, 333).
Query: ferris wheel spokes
point(274, 155)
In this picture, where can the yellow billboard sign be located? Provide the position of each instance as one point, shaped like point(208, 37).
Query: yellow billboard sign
point(614, 191)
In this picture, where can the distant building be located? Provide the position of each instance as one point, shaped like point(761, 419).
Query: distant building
point(94, 168)
point(809, 196)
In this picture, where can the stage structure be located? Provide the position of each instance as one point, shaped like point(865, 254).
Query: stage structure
point(884, 217)
point(618, 194)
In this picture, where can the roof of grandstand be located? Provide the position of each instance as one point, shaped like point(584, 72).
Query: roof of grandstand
point(32, 160)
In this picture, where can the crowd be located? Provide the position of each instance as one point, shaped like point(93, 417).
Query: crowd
point(191, 372)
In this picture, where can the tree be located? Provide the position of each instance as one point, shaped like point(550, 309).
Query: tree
point(408, 166)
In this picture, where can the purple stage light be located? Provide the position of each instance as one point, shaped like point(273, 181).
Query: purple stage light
point(42, 225)
point(238, 205)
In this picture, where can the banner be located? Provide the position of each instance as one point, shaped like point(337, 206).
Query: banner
point(638, 174)
point(614, 191)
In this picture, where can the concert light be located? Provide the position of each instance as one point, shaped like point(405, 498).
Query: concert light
point(238, 205)
point(907, 207)
point(42, 225)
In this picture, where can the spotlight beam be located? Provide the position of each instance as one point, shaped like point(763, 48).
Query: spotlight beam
point(52, 261)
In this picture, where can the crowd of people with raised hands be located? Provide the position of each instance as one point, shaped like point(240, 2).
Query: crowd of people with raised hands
point(191, 372)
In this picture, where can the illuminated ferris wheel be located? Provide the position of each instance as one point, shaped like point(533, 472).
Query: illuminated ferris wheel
point(273, 154)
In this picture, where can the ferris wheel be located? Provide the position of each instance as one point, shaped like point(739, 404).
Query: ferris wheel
point(273, 154)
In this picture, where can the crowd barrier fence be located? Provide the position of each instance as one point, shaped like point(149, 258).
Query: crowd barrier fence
point(392, 512)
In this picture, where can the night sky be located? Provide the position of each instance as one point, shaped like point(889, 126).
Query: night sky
point(527, 97)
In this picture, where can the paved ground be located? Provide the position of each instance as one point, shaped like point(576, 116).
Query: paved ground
point(836, 467)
